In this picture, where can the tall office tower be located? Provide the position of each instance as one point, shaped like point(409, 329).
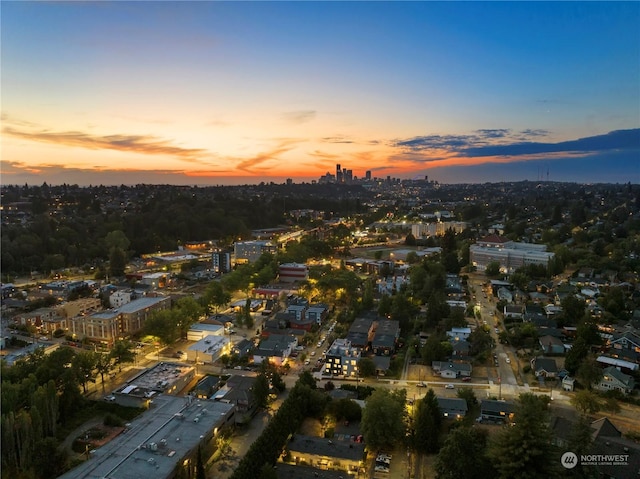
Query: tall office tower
point(367, 175)
point(339, 177)
point(348, 175)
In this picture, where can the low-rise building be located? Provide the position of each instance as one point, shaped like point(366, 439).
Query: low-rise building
point(162, 443)
point(209, 349)
point(342, 359)
point(496, 411)
point(452, 369)
point(110, 325)
point(452, 408)
point(330, 454)
point(615, 380)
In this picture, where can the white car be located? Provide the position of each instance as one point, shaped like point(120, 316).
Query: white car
point(381, 469)
point(508, 361)
point(110, 398)
point(449, 386)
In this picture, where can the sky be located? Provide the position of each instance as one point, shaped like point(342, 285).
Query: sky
point(212, 93)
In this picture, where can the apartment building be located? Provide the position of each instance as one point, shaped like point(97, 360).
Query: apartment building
point(110, 325)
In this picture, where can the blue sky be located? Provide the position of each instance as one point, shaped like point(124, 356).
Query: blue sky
point(242, 92)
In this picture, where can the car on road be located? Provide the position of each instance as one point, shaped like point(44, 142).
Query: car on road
point(307, 362)
point(313, 353)
point(496, 330)
point(508, 361)
point(110, 398)
point(422, 384)
point(381, 469)
point(466, 379)
point(449, 386)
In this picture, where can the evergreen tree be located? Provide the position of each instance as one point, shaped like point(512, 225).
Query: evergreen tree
point(525, 450)
point(427, 424)
point(464, 455)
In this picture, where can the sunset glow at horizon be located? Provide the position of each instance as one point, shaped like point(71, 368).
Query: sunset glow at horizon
point(244, 92)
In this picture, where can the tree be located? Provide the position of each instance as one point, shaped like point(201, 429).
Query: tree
point(121, 353)
point(215, 296)
point(493, 269)
point(586, 401)
point(383, 418)
point(427, 424)
point(84, 365)
point(468, 395)
point(366, 367)
point(525, 450)
point(163, 325)
point(464, 455)
point(579, 442)
point(261, 390)
point(188, 311)
point(589, 372)
point(104, 365)
point(345, 409)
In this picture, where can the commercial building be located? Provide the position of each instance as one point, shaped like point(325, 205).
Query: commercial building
point(292, 272)
point(163, 378)
point(250, 251)
point(162, 443)
point(508, 254)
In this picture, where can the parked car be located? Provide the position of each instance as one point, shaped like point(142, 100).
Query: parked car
point(110, 398)
point(422, 384)
point(381, 469)
point(466, 379)
point(508, 361)
point(449, 386)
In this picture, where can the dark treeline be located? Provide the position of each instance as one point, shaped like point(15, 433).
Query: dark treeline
point(67, 226)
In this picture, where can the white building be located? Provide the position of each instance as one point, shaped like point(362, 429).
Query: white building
point(508, 254)
point(208, 349)
point(250, 251)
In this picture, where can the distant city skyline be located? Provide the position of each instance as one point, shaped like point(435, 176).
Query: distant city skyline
point(215, 93)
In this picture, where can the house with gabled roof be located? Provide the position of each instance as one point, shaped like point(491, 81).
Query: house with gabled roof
point(544, 367)
point(615, 380)
point(452, 369)
point(551, 345)
point(453, 408)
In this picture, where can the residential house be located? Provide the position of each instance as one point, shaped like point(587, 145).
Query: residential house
point(496, 411)
point(317, 312)
point(513, 311)
point(544, 367)
point(454, 408)
point(362, 330)
point(327, 454)
point(461, 349)
point(206, 387)
point(615, 380)
point(607, 440)
point(451, 369)
point(342, 359)
point(242, 348)
point(238, 391)
point(457, 334)
point(275, 349)
point(385, 337)
point(551, 345)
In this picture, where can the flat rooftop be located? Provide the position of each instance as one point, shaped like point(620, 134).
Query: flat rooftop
point(157, 378)
point(156, 441)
